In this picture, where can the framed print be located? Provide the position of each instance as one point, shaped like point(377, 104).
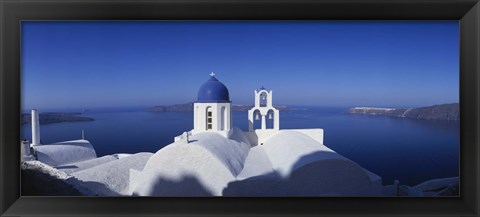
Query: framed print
point(239, 108)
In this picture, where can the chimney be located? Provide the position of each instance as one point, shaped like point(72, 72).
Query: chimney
point(35, 128)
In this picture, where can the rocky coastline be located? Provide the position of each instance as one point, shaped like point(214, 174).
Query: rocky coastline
point(449, 112)
point(55, 117)
point(188, 107)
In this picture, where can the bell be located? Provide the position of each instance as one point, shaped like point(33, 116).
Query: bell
point(257, 117)
point(263, 97)
point(270, 116)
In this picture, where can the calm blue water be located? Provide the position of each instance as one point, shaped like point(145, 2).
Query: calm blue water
point(411, 151)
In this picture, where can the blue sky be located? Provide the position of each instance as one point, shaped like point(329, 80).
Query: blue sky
point(69, 65)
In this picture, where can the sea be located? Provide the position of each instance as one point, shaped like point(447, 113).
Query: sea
point(408, 150)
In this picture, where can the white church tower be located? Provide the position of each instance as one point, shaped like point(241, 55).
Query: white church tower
point(263, 109)
point(212, 110)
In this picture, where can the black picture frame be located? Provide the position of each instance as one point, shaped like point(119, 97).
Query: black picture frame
point(14, 11)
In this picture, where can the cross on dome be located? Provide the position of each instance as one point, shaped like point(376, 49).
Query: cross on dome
point(212, 74)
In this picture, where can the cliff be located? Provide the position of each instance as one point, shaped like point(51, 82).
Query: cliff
point(55, 117)
point(449, 112)
point(188, 107)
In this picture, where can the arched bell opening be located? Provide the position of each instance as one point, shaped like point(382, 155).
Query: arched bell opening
point(270, 119)
point(257, 120)
point(263, 99)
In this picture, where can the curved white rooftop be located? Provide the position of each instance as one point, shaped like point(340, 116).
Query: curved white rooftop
point(112, 178)
point(65, 152)
point(302, 166)
point(290, 163)
point(202, 167)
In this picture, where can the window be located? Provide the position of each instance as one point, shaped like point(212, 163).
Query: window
point(209, 118)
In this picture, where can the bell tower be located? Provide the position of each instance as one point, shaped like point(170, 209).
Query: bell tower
point(263, 108)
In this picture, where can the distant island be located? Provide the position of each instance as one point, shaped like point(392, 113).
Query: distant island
point(55, 117)
point(188, 107)
point(450, 112)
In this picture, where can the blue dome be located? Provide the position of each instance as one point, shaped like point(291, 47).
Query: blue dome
point(213, 91)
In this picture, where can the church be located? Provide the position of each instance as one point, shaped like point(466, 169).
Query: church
point(216, 158)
